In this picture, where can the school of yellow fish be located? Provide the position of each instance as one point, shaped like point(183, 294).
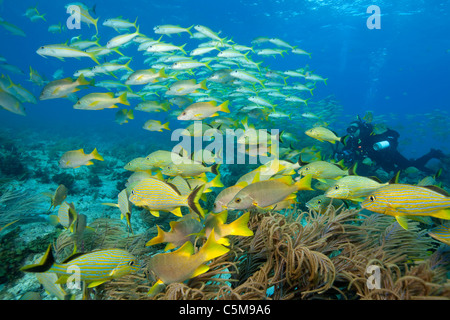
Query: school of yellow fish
point(216, 82)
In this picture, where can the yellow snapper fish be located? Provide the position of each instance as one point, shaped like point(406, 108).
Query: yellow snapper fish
point(153, 106)
point(321, 170)
point(189, 169)
point(402, 200)
point(138, 164)
point(77, 158)
point(155, 195)
point(168, 29)
point(203, 110)
point(165, 47)
point(189, 64)
point(62, 51)
point(217, 223)
point(119, 24)
point(208, 33)
point(354, 188)
point(321, 203)
point(268, 192)
point(122, 116)
point(155, 125)
point(10, 103)
point(224, 197)
point(63, 87)
point(100, 101)
point(162, 158)
point(57, 197)
point(182, 230)
point(184, 87)
point(124, 205)
point(183, 264)
point(323, 134)
point(141, 77)
point(95, 267)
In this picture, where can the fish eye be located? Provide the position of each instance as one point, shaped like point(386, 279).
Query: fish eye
point(184, 113)
point(336, 188)
point(238, 200)
point(372, 198)
point(319, 202)
point(132, 192)
point(131, 263)
point(307, 168)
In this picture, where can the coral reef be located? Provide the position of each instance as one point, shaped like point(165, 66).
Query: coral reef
point(302, 255)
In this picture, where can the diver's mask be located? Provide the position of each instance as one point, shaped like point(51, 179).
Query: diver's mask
point(353, 129)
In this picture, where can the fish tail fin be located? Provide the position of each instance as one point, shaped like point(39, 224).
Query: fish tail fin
point(182, 49)
point(82, 81)
point(188, 30)
point(305, 183)
point(123, 99)
point(216, 182)
point(212, 249)
point(135, 26)
point(239, 227)
point(203, 85)
point(193, 200)
point(224, 107)
point(158, 239)
point(162, 73)
point(215, 168)
point(93, 57)
point(96, 155)
point(166, 126)
point(130, 114)
point(44, 265)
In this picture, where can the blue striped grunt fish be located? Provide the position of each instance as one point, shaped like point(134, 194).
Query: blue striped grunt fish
point(95, 267)
point(401, 200)
point(155, 195)
point(441, 233)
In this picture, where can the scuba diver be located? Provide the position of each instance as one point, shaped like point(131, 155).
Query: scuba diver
point(362, 145)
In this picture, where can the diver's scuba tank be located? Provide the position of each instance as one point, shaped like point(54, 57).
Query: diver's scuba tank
point(381, 145)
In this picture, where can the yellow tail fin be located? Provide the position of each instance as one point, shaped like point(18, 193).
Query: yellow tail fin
point(96, 155)
point(158, 239)
point(305, 183)
point(211, 249)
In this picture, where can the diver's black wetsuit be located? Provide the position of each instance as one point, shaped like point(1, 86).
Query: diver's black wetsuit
point(359, 144)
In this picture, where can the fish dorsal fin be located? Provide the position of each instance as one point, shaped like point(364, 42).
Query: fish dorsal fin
point(174, 188)
point(73, 256)
point(438, 190)
point(394, 179)
point(301, 162)
point(375, 179)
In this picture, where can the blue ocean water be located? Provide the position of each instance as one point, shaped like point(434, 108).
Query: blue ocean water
point(399, 72)
point(399, 69)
